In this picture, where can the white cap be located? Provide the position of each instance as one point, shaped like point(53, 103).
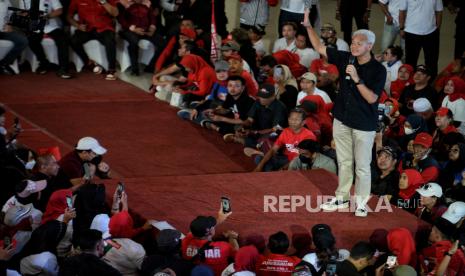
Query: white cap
point(455, 212)
point(421, 105)
point(29, 187)
point(90, 143)
point(101, 222)
point(17, 213)
point(430, 189)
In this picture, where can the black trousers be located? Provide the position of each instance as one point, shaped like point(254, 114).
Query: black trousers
point(133, 48)
point(430, 45)
point(352, 9)
point(107, 38)
point(61, 41)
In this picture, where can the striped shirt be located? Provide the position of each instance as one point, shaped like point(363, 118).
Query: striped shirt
point(255, 12)
point(297, 6)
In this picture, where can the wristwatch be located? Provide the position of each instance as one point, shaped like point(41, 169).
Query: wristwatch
point(447, 254)
point(103, 2)
point(360, 81)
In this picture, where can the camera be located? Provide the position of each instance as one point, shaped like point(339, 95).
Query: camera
point(383, 120)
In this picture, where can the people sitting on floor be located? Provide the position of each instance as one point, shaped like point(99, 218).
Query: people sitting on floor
point(308, 83)
point(408, 198)
point(277, 262)
point(236, 69)
point(385, 177)
point(310, 158)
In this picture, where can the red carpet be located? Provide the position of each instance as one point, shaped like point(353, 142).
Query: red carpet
point(173, 169)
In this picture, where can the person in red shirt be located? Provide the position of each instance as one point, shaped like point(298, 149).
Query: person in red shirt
point(236, 69)
point(326, 73)
point(199, 248)
point(288, 140)
point(276, 263)
point(95, 22)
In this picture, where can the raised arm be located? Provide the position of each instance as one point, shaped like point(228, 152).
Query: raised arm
point(314, 38)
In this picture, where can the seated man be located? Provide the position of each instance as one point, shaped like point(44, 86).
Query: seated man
point(53, 29)
point(96, 21)
point(277, 262)
point(288, 140)
point(385, 176)
point(328, 37)
point(360, 257)
point(18, 39)
point(287, 42)
point(311, 158)
point(236, 69)
point(88, 151)
point(308, 83)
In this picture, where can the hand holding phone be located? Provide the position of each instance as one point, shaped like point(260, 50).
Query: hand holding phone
point(69, 202)
point(120, 189)
point(87, 175)
point(226, 204)
point(391, 262)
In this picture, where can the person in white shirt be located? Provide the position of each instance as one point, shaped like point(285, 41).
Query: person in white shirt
point(419, 24)
point(455, 100)
point(392, 62)
point(390, 8)
point(52, 10)
point(328, 36)
point(287, 42)
point(308, 85)
point(293, 10)
point(255, 35)
point(306, 54)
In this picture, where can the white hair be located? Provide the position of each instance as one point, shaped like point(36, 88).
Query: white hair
point(371, 37)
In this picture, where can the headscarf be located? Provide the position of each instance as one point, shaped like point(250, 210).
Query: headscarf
point(395, 106)
point(193, 62)
point(457, 166)
point(398, 85)
point(246, 258)
point(459, 89)
point(401, 244)
point(56, 205)
point(288, 78)
point(415, 180)
point(121, 225)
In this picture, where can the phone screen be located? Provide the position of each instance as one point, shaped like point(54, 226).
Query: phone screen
point(391, 261)
point(331, 269)
point(6, 242)
point(120, 188)
point(69, 202)
point(86, 171)
point(226, 203)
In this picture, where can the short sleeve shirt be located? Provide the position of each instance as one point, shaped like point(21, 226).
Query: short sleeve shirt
point(268, 117)
point(93, 14)
point(421, 18)
point(276, 265)
point(46, 6)
point(289, 140)
point(241, 106)
point(350, 107)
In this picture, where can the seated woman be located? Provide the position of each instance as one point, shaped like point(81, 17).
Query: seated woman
point(455, 68)
point(452, 176)
point(444, 123)
point(404, 79)
point(455, 100)
point(286, 86)
point(392, 61)
point(413, 125)
point(401, 244)
point(407, 198)
point(395, 128)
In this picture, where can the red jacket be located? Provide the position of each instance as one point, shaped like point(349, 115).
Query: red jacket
point(201, 74)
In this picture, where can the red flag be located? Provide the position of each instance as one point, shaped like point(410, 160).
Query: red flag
point(214, 48)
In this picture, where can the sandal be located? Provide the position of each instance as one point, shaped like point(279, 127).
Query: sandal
point(110, 76)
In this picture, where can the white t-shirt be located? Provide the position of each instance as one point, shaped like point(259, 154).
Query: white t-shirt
point(128, 258)
point(458, 110)
point(281, 44)
point(294, 6)
point(46, 6)
point(319, 92)
point(421, 18)
point(393, 8)
point(4, 13)
point(44, 263)
point(259, 47)
point(391, 74)
point(341, 45)
point(307, 55)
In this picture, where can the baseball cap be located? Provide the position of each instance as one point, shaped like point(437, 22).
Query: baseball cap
point(101, 222)
point(389, 150)
point(90, 143)
point(455, 212)
point(443, 111)
point(27, 187)
point(430, 189)
point(421, 105)
point(328, 26)
point(200, 225)
point(168, 238)
point(266, 91)
point(230, 45)
point(234, 56)
point(221, 65)
point(446, 227)
point(188, 32)
point(422, 68)
point(15, 214)
point(309, 76)
point(423, 139)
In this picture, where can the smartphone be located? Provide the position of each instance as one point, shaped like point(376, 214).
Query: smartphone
point(331, 269)
point(278, 72)
point(69, 202)
point(6, 242)
point(226, 203)
point(391, 261)
point(87, 171)
point(120, 189)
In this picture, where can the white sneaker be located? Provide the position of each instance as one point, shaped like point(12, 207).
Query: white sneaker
point(361, 212)
point(335, 204)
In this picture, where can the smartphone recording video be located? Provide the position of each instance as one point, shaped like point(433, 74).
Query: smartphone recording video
point(226, 203)
point(391, 261)
point(120, 189)
point(69, 202)
point(87, 175)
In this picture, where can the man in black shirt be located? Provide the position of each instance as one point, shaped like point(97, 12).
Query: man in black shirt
point(361, 256)
point(421, 89)
point(355, 114)
point(386, 178)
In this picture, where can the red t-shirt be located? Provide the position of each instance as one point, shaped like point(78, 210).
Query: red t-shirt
point(217, 258)
point(290, 140)
point(250, 83)
point(276, 265)
point(93, 14)
point(318, 67)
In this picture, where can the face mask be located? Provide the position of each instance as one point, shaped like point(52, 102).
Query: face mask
point(96, 160)
point(408, 131)
point(305, 159)
point(30, 165)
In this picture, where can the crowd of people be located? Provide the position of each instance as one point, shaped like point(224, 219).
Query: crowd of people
point(315, 101)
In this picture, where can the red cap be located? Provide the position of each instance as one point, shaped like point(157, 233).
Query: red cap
point(234, 56)
point(188, 32)
point(423, 139)
point(443, 111)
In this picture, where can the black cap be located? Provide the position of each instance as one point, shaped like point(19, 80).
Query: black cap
point(323, 238)
point(266, 91)
point(168, 238)
point(389, 150)
point(422, 68)
point(446, 227)
point(201, 224)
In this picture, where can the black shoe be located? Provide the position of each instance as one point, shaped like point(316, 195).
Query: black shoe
point(135, 72)
point(42, 69)
point(5, 69)
point(63, 74)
